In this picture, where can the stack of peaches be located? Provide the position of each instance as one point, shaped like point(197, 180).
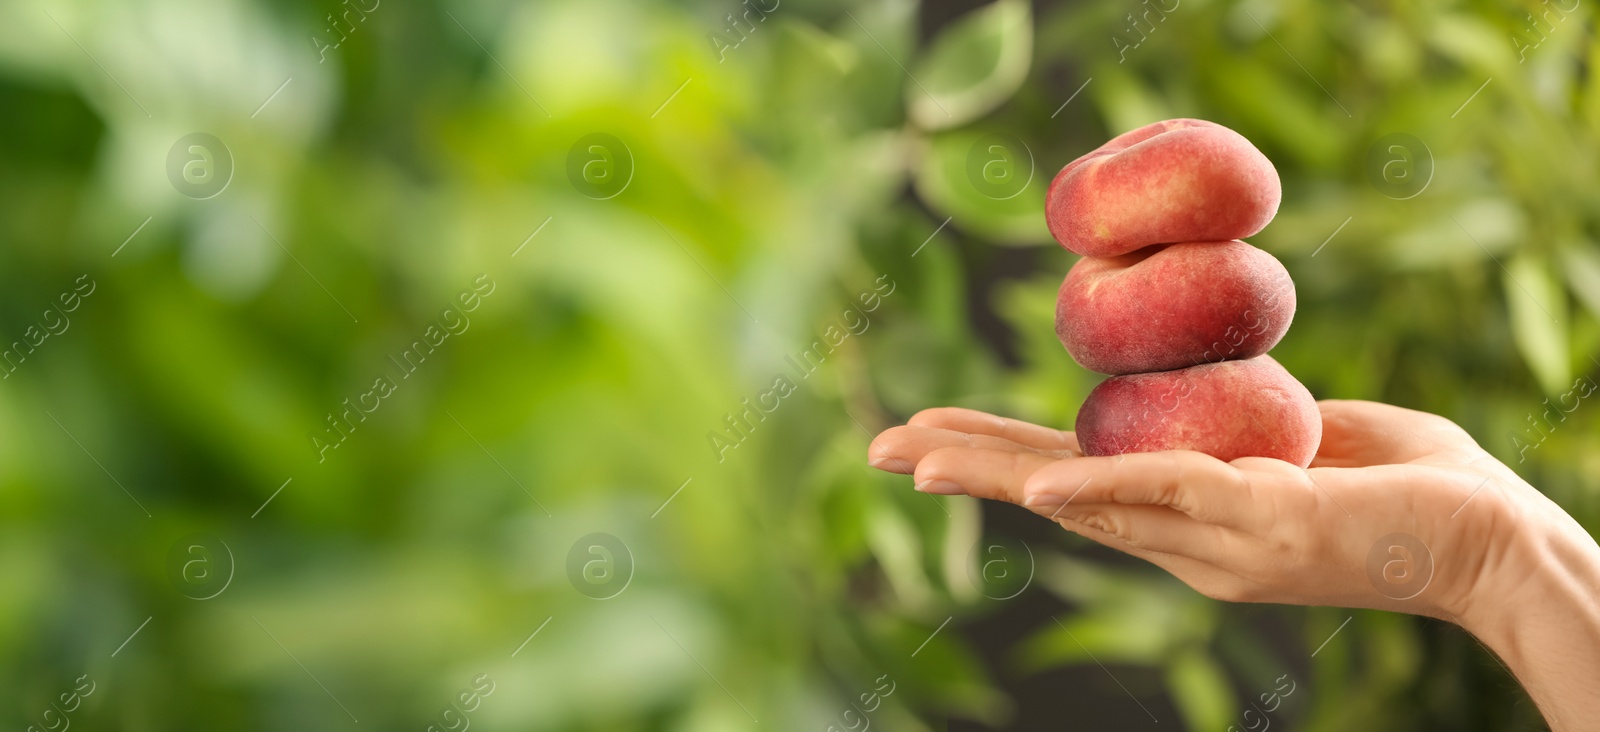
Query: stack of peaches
point(1170, 303)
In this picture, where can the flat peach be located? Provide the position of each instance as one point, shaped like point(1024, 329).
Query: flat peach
point(1174, 181)
point(1229, 410)
point(1169, 306)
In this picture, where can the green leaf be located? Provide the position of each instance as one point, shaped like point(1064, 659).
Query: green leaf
point(1286, 114)
point(1127, 636)
point(1125, 101)
point(1582, 265)
point(1538, 306)
point(1200, 690)
point(840, 55)
point(991, 185)
point(974, 66)
point(1470, 42)
point(1470, 232)
point(898, 547)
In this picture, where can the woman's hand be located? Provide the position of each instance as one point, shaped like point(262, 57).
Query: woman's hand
point(1400, 510)
point(1256, 529)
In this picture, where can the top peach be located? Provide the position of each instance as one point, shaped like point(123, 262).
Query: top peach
point(1175, 181)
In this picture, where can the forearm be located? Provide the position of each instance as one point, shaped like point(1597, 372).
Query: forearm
point(1545, 624)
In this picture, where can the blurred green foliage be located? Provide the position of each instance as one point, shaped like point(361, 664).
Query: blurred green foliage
point(780, 168)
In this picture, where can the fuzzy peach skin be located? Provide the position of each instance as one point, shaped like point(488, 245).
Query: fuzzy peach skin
point(1228, 410)
point(1169, 306)
point(1173, 181)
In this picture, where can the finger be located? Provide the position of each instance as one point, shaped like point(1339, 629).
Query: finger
point(1172, 540)
point(983, 423)
point(1193, 483)
point(1154, 528)
point(1002, 474)
point(1207, 579)
point(898, 449)
point(979, 472)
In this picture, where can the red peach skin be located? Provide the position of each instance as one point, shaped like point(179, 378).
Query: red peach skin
point(1167, 307)
point(1228, 410)
point(1174, 181)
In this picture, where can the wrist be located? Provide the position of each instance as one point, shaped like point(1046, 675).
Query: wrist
point(1546, 582)
point(1545, 625)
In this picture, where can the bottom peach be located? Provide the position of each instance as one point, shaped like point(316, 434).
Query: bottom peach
point(1228, 410)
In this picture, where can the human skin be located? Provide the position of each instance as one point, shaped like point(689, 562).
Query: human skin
point(1167, 307)
point(1171, 181)
point(1509, 566)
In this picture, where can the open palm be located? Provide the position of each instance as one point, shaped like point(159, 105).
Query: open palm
point(1399, 510)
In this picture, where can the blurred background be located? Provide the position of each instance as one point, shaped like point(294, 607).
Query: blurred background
point(511, 364)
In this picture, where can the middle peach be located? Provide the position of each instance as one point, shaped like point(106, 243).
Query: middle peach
point(1170, 306)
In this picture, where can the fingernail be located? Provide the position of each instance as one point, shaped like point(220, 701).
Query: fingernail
point(1044, 502)
point(940, 488)
point(891, 464)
